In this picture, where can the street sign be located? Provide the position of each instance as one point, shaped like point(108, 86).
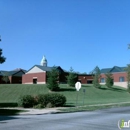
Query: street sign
point(78, 86)
point(84, 90)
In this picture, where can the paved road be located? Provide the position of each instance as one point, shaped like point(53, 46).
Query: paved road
point(97, 120)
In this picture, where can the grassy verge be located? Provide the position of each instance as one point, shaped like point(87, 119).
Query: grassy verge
point(91, 108)
point(93, 95)
point(10, 93)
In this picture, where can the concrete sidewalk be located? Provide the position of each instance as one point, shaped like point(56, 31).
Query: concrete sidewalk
point(32, 111)
point(39, 111)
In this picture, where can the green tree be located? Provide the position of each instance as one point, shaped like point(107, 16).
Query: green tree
point(52, 79)
point(77, 72)
point(5, 78)
point(128, 73)
point(96, 73)
point(128, 77)
point(2, 58)
point(109, 80)
point(71, 78)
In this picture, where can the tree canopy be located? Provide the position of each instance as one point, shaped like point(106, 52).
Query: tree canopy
point(2, 58)
point(109, 80)
point(128, 76)
point(53, 79)
point(71, 78)
point(96, 73)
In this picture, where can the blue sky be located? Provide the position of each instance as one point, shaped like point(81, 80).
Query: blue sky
point(77, 33)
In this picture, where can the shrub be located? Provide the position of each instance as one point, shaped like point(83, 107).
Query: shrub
point(27, 101)
point(49, 105)
point(38, 106)
point(57, 99)
point(52, 100)
point(42, 100)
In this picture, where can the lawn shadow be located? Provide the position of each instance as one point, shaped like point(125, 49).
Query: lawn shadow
point(117, 89)
point(69, 105)
point(6, 112)
point(86, 85)
point(67, 89)
point(8, 104)
point(113, 89)
point(103, 88)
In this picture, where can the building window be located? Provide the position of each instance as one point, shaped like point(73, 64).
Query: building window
point(102, 80)
point(121, 79)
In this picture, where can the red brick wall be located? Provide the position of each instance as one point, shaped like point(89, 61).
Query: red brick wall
point(116, 76)
point(84, 78)
point(28, 78)
point(102, 76)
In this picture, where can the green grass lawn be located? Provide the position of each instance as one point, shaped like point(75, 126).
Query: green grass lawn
point(10, 94)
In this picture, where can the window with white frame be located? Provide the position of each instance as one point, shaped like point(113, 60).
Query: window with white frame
point(102, 80)
point(121, 79)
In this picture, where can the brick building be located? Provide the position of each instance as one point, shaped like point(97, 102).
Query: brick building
point(38, 74)
point(119, 76)
point(12, 77)
point(85, 78)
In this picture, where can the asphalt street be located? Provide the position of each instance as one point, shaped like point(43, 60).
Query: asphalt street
point(106, 119)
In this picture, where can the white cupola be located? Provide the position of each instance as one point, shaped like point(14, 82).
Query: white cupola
point(44, 61)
